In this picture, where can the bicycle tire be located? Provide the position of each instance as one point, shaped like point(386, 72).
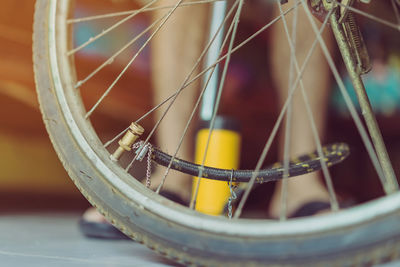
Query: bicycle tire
point(363, 235)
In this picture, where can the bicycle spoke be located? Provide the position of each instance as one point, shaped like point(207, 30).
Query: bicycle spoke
point(111, 59)
point(327, 176)
point(262, 29)
point(198, 101)
point(115, 138)
point(129, 12)
point(218, 99)
point(202, 91)
point(222, 58)
point(396, 11)
point(189, 82)
point(173, 99)
point(275, 129)
point(210, 67)
point(391, 184)
point(145, 115)
point(130, 62)
point(137, 211)
point(185, 85)
point(372, 17)
point(109, 29)
point(348, 101)
point(287, 135)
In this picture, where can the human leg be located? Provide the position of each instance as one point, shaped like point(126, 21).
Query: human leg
point(316, 82)
point(175, 51)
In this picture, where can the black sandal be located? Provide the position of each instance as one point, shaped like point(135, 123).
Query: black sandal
point(100, 230)
point(105, 230)
point(311, 208)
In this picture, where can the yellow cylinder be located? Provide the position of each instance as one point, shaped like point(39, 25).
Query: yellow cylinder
point(223, 152)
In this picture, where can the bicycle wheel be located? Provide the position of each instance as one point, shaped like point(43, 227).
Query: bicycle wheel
point(365, 234)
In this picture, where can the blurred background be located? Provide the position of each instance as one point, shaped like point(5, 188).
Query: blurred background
point(30, 172)
point(31, 176)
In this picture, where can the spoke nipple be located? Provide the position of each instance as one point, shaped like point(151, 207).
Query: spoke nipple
point(125, 143)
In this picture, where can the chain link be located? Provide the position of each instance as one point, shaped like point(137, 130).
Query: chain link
point(232, 197)
point(141, 150)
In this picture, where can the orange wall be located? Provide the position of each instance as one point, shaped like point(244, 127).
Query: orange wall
point(28, 162)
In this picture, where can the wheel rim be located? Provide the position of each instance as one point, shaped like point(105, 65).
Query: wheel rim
point(183, 216)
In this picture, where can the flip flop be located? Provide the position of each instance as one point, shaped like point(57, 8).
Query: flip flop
point(308, 209)
point(105, 230)
point(100, 230)
point(311, 208)
point(314, 207)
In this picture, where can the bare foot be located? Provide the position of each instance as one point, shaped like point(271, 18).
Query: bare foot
point(92, 215)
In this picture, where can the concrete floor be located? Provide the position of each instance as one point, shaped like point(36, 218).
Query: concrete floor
point(40, 239)
point(52, 239)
